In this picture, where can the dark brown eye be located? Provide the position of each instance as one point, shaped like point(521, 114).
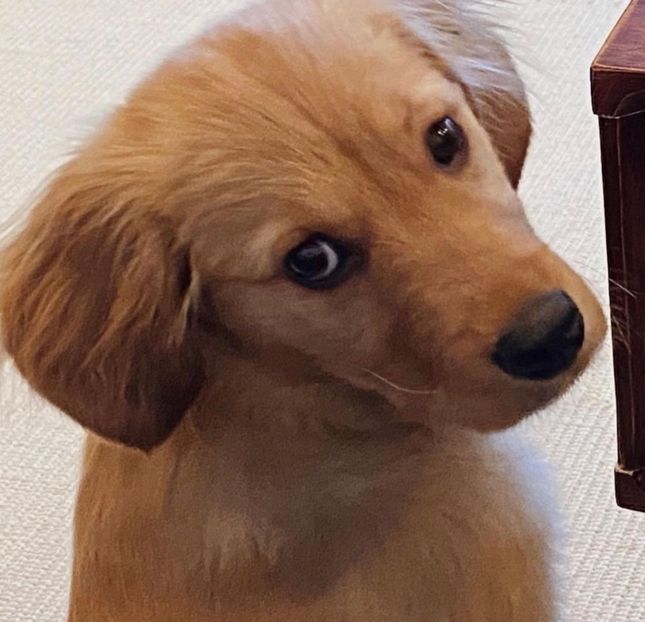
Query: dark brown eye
point(446, 142)
point(320, 262)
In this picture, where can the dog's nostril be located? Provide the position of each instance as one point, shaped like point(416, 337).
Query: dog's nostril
point(543, 340)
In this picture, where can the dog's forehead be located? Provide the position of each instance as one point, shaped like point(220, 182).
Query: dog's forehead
point(296, 77)
point(310, 113)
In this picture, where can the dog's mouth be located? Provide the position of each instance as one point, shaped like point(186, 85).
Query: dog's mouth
point(493, 401)
point(488, 382)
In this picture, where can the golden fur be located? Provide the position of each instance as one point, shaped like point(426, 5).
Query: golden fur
point(307, 456)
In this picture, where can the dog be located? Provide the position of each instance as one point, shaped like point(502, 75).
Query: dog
point(291, 292)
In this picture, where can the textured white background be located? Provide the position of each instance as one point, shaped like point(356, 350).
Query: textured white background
point(64, 63)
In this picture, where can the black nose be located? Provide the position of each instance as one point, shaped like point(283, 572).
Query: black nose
point(543, 340)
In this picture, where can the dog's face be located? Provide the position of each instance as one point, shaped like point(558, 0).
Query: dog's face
point(336, 209)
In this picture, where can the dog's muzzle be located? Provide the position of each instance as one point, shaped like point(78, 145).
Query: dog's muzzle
point(543, 340)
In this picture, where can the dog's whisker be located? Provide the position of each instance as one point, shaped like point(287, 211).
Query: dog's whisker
point(612, 281)
point(624, 289)
point(398, 387)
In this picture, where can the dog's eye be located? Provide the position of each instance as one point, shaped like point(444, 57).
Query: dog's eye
point(446, 141)
point(320, 262)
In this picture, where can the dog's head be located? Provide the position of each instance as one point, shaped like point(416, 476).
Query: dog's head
point(334, 188)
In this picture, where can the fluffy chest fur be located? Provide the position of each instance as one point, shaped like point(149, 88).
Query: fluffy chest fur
point(454, 529)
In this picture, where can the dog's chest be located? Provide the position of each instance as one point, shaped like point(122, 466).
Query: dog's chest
point(461, 533)
point(450, 536)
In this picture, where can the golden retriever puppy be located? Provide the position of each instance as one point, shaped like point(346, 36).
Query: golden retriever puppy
point(291, 292)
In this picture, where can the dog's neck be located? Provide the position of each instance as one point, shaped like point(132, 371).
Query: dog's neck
point(286, 484)
point(290, 456)
point(293, 399)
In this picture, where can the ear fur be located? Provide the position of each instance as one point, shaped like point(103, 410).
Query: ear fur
point(94, 310)
point(462, 34)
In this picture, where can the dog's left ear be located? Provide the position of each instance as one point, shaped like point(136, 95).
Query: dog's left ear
point(462, 36)
point(95, 303)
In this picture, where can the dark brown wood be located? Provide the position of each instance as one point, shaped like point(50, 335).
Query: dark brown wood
point(618, 93)
point(618, 73)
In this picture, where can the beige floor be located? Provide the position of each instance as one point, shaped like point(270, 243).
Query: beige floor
point(64, 63)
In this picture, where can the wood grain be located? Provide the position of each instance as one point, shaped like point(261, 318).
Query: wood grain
point(618, 92)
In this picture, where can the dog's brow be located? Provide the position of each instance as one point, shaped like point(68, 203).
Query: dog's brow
point(408, 124)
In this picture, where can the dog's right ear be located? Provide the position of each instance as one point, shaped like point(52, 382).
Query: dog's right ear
point(463, 35)
point(95, 306)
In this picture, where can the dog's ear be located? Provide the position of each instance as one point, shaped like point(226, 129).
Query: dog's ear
point(498, 98)
point(95, 308)
point(462, 35)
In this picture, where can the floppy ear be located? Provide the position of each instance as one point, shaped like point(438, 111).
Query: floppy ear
point(462, 35)
point(95, 310)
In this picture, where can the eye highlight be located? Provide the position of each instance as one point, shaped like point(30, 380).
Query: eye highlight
point(321, 262)
point(446, 142)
